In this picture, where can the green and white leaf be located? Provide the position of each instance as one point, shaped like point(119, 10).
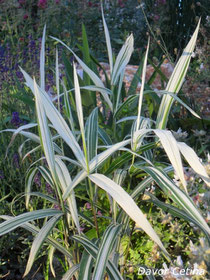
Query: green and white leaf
point(127, 204)
point(194, 161)
point(91, 134)
point(86, 265)
point(44, 133)
point(180, 101)
point(92, 249)
point(102, 90)
point(19, 220)
point(177, 195)
point(142, 88)
point(94, 163)
point(176, 212)
point(170, 146)
point(122, 59)
point(57, 121)
point(65, 180)
point(28, 184)
point(97, 81)
point(50, 256)
point(104, 251)
point(49, 239)
point(42, 60)
point(104, 136)
point(176, 81)
point(108, 41)
point(69, 274)
point(39, 240)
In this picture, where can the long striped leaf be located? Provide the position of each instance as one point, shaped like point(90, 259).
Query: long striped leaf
point(65, 180)
point(146, 183)
point(57, 78)
point(28, 184)
point(44, 133)
point(50, 257)
point(17, 131)
point(39, 240)
point(178, 196)
point(170, 146)
point(78, 102)
point(92, 249)
point(42, 60)
point(176, 212)
point(142, 88)
point(127, 204)
point(104, 136)
point(57, 120)
point(80, 115)
point(91, 134)
point(94, 163)
point(70, 273)
point(126, 103)
point(86, 265)
point(29, 135)
point(108, 41)
point(97, 81)
point(194, 161)
point(176, 81)
point(104, 251)
point(68, 110)
point(50, 240)
point(19, 220)
point(122, 59)
point(102, 90)
point(180, 101)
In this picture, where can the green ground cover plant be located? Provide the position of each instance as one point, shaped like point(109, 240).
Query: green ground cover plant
point(95, 165)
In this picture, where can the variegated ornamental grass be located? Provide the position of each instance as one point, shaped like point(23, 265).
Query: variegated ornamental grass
point(89, 160)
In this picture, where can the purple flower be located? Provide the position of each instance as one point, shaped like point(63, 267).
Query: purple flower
point(49, 188)
point(19, 75)
point(37, 179)
point(16, 160)
point(16, 121)
point(1, 175)
point(56, 206)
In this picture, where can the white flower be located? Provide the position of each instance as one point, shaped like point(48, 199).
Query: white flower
point(180, 134)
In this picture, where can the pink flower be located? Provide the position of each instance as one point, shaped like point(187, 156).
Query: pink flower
point(82, 229)
point(99, 213)
point(57, 1)
point(25, 16)
point(42, 4)
point(156, 17)
point(87, 205)
point(161, 2)
point(121, 4)
point(21, 2)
